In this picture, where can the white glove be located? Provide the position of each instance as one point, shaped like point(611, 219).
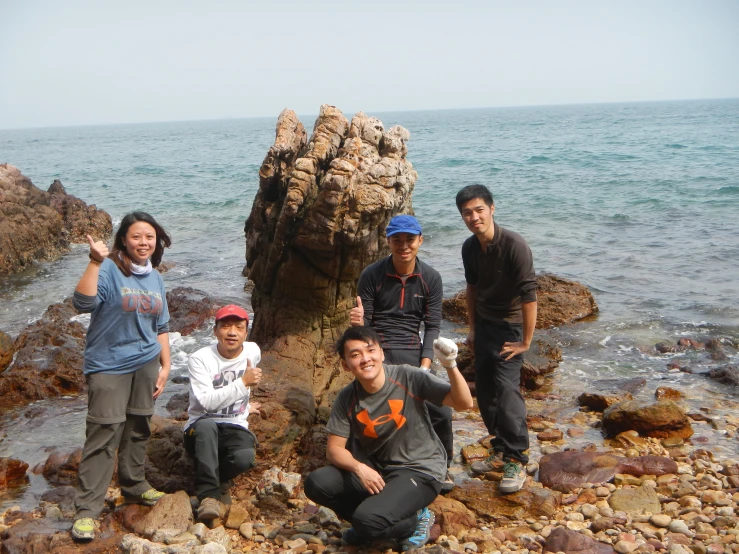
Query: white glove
point(445, 350)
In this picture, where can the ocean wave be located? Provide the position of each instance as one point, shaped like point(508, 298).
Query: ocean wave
point(538, 160)
point(147, 170)
point(730, 190)
point(676, 146)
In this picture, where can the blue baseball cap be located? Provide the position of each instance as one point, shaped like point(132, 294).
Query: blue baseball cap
point(403, 224)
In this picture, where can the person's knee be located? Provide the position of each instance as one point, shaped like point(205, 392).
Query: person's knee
point(205, 426)
point(370, 524)
point(242, 460)
point(312, 488)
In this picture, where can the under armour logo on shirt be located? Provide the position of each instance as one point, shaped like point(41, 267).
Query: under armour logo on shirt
point(396, 406)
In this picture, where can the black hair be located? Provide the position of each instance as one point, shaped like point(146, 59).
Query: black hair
point(120, 255)
point(470, 192)
point(363, 333)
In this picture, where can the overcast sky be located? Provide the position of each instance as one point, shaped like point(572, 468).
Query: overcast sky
point(95, 62)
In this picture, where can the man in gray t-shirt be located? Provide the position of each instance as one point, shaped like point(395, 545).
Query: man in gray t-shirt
point(386, 463)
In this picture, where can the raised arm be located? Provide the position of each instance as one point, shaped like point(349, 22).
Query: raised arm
point(460, 397)
point(88, 283)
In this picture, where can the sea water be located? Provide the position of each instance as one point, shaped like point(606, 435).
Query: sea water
point(638, 201)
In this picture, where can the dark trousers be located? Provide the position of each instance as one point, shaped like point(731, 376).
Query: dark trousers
point(389, 514)
point(441, 416)
point(221, 452)
point(497, 385)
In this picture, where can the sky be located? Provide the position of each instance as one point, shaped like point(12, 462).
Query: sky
point(92, 62)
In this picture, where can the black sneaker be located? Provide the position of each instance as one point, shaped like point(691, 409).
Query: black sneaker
point(422, 533)
point(226, 492)
point(494, 462)
point(350, 537)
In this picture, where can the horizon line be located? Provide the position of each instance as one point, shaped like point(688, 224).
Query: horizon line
point(237, 118)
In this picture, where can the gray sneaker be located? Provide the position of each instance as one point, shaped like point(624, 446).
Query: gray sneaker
point(209, 509)
point(494, 462)
point(514, 476)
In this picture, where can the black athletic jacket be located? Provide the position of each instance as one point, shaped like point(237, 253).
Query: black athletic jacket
point(396, 310)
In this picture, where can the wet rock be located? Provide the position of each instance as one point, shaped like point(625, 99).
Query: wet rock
point(566, 471)
point(173, 511)
point(609, 392)
point(539, 362)
point(6, 351)
point(635, 500)
point(61, 468)
point(483, 498)
point(452, 516)
point(190, 308)
point(728, 375)
point(572, 542)
point(12, 473)
point(660, 419)
point(48, 361)
point(667, 393)
point(178, 404)
point(474, 452)
point(31, 229)
point(79, 219)
point(62, 496)
point(559, 302)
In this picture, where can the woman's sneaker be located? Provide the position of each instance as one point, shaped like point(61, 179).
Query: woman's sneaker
point(422, 533)
point(514, 476)
point(83, 529)
point(148, 498)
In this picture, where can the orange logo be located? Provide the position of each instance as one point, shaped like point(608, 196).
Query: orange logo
point(396, 406)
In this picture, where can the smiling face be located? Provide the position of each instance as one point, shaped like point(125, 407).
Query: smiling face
point(478, 216)
point(404, 247)
point(364, 360)
point(231, 334)
point(140, 242)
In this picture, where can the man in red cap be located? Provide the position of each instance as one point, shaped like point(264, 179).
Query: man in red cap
point(217, 433)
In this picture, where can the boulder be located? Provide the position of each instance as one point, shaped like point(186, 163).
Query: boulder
point(668, 393)
point(6, 351)
point(173, 511)
point(48, 359)
point(728, 375)
point(12, 474)
point(168, 466)
point(539, 362)
point(453, 517)
point(317, 221)
point(572, 469)
point(559, 302)
point(32, 227)
point(660, 419)
point(190, 308)
point(483, 498)
point(61, 468)
point(79, 219)
point(609, 392)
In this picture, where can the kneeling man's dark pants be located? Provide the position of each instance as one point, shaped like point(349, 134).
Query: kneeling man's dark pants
point(497, 386)
point(221, 452)
point(389, 514)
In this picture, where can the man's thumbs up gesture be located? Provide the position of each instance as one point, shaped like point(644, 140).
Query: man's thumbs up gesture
point(356, 315)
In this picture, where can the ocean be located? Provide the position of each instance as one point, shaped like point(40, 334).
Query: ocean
point(638, 201)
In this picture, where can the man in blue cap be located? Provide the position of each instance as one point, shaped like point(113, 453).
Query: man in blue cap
point(396, 295)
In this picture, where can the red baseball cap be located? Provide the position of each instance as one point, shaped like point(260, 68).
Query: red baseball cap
point(232, 310)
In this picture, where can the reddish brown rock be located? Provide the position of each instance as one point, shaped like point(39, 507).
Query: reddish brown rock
point(48, 362)
point(173, 511)
point(190, 308)
point(667, 393)
point(12, 474)
point(483, 498)
point(660, 419)
point(550, 435)
point(32, 229)
point(79, 219)
point(609, 392)
point(452, 516)
point(572, 542)
point(559, 302)
point(566, 471)
point(6, 351)
point(61, 468)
